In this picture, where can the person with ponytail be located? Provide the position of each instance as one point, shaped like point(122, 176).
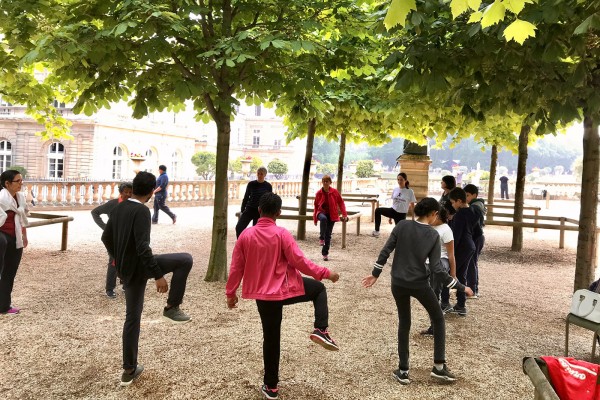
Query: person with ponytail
point(403, 200)
point(413, 242)
point(13, 235)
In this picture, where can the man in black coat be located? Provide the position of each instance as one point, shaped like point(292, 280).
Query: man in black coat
point(127, 239)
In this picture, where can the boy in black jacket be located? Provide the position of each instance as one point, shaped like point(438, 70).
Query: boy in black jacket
point(478, 207)
point(127, 239)
point(464, 225)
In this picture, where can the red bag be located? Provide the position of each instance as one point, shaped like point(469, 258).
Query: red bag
point(573, 379)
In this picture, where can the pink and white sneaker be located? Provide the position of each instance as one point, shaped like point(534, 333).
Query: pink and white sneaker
point(12, 311)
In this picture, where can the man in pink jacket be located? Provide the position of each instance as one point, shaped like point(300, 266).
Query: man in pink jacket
point(268, 260)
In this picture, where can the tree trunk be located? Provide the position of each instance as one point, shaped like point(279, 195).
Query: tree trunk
point(217, 262)
point(492, 179)
point(517, 240)
point(585, 264)
point(310, 138)
point(340, 171)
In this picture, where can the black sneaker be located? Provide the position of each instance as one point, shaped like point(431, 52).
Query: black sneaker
point(446, 308)
point(462, 311)
point(270, 394)
point(176, 316)
point(111, 294)
point(401, 377)
point(321, 337)
point(127, 378)
point(427, 332)
point(443, 374)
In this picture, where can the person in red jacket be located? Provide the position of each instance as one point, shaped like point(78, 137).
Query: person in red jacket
point(269, 261)
point(328, 206)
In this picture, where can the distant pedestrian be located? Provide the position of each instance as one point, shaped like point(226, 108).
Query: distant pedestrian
point(504, 187)
point(160, 195)
point(107, 208)
point(13, 235)
point(413, 242)
point(268, 261)
point(403, 201)
point(127, 239)
point(254, 192)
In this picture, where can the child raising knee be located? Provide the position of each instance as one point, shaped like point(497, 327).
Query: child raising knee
point(413, 242)
point(269, 262)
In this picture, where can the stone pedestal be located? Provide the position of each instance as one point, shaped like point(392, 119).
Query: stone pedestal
point(416, 167)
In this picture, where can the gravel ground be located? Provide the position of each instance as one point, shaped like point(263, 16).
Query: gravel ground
point(66, 343)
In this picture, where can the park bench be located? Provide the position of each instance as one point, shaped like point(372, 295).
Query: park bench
point(373, 199)
point(352, 216)
point(49, 219)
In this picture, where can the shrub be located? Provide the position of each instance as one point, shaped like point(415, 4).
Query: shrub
point(206, 164)
point(21, 170)
point(277, 168)
point(364, 168)
point(327, 169)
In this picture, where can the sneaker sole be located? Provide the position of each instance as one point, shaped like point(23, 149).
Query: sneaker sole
point(268, 396)
point(400, 380)
point(443, 378)
point(323, 343)
point(174, 321)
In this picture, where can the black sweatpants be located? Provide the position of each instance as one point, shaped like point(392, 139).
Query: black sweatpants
point(249, 214)
point(387, 212)
point(159, 204)
point(271, 313)
point(180, 265)
point(428, 299)
point(10, 258)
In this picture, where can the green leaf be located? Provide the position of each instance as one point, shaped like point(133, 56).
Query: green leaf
point(591, 22)
point(398, 12)
point(119, 29)
point(475, 17)
point(493, 14)
point(474, 4)
point(458, 7)
point(519, 31)
point(514, 6)
point(229, 62)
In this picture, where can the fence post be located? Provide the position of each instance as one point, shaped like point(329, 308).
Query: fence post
point(561, 244)
point(65, 235)
point(344, 222)
point(535, 229)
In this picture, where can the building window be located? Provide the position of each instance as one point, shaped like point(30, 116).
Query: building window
point(277, 144)
point(175, 165)
point(257, 111)
point(57, 104)
point(5, 155)
point(151, 161)
point(117, 162)
point(256, 138)
point(56, 158)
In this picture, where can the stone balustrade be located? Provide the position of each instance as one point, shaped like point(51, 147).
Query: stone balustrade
point(88, 194)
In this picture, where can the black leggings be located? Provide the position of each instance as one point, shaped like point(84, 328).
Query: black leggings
point(387, 212)
point(271, 313)
point(427, 298)
point(10, 258)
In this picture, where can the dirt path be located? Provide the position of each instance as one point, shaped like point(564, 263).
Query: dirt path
point(66, 343)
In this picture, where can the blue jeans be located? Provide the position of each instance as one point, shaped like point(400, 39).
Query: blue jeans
point(325, 229)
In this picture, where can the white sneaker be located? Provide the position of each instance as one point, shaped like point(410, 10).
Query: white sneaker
point(375, 233)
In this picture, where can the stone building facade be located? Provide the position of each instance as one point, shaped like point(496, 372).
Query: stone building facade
point(110, 145)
